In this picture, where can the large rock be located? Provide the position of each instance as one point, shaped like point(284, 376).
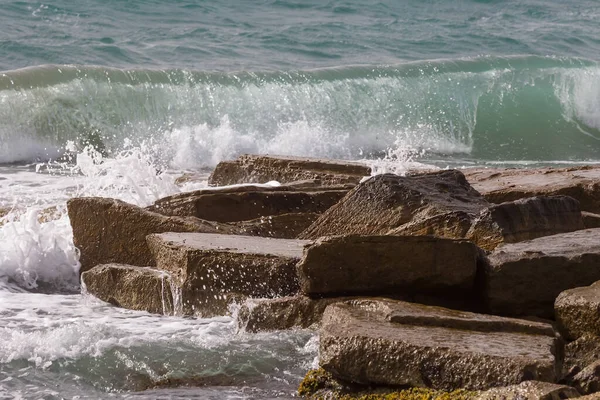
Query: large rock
point(381, 265)
point(530, 390)
point(247, 202)
point(260, 169)
point(525, 278)
point(579, 354)
point(386, 202)
point(127, 286)
point(590, 220)
point(443, 204)
point(383, 343)
point(588, 379)
point(111, 231)
point(214, 270)
point(525, 219)
point(577, 311)
point(500, 185)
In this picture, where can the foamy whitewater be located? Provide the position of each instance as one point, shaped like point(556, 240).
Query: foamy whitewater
point(118, 100)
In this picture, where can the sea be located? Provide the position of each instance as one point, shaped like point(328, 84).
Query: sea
point(118, 98)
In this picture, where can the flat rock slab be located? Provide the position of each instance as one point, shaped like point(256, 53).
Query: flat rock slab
point(357, 264)
point(525, 278)
point(131, 287)
point(359, 344)
point(111, 231)
point(530, 390)
point(213, 268)
point(577, 311)
point(264, 168)
point(500, 185)
point(243, 203)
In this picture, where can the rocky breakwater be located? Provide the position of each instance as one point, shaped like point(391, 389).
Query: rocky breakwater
point(348, 268)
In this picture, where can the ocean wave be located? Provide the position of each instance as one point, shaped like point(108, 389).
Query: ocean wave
point(490, 108)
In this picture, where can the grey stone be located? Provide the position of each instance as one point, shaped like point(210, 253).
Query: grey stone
point(530, 390)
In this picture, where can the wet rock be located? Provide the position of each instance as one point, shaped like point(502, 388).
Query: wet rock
point(359, 343)
point(134, 288)
point(111, 231)
point(577, 311)
point(380, 265)
point(530, 390)
point(500, 185)
point(246, 202)
point(525, 219)
point(283, 313)
point(525, 278)
point(588, 379)
point(214, 270)
point(263, 168)
point(442, 203)
point(590, 220)
point(285, 226)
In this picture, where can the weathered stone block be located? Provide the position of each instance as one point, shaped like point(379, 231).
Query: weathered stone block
point(577, 311)
point(359, 344)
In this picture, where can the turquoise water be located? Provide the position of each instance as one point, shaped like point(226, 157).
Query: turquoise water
point(117, 98)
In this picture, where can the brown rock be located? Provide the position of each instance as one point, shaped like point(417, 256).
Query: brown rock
point(285, 226)
point(111, 231)
point(525, 278)
point(588, 379)
point(442, 203)
point(246, 202)
point(212, 270)
point(525, 219)
point(260, 169)
point(590, 220)
point(359, 344)
point(127, 286)
point(282, 313)
point(386, 265)
point(530, 390)
point(500, 185)
point(579, 354)
point(577, 311)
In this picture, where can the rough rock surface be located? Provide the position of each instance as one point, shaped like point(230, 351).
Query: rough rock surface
point(212, 270)
point(127, 286)
point(530, 390)
point(500, 185)
point(525, 219)
point(577, 311)
point(588, 379)
point(283, 313)
point(111, 231)
point(260, 169)
point(359, 344)
point(443, 203)
point(579, 354)
point(247, 202)
point(285, 226)
point(358, 264)
point(525, 278)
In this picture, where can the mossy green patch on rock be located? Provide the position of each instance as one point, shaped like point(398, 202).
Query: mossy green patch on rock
point(321, 385)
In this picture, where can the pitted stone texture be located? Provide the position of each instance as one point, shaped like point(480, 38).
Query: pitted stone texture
point(111, 231)
point(243, 203)
point(530, 390)
point(211, 269)
point(359, 344)
point(386, 265)
point(264, 168)
point(577, 311)
point(134, 288)
point(525, 278)
point(500, 185)
point(285, 226)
